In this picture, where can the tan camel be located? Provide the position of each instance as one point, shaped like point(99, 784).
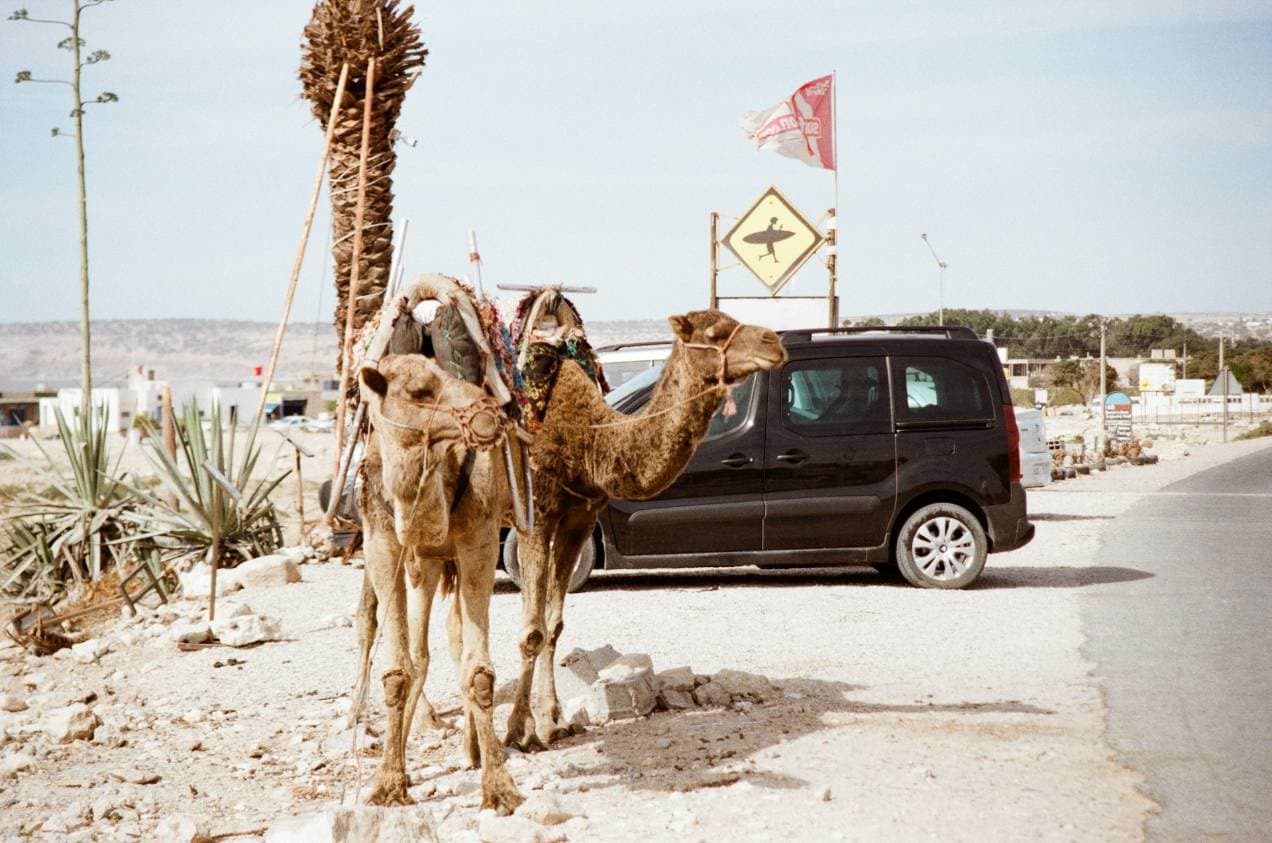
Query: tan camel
point(425, 524)
point(586, 453)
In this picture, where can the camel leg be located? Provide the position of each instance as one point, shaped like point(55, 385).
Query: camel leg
point(476, 582)
point(422, 577)
point(532, 551)
point(576, 531)
point(455, 634)
point(366, 636)
point(389, 785)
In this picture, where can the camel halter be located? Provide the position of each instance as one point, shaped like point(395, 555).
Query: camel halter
point(481, 424)
point(730, 408)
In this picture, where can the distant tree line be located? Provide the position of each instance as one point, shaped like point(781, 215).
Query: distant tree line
point(1132, 336)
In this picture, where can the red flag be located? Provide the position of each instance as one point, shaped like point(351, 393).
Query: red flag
point(800, 126)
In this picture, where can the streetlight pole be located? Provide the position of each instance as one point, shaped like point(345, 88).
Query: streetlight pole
point(942, 265)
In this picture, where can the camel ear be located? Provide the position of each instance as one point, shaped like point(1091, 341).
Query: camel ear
point(374, 380)
point(681, 326)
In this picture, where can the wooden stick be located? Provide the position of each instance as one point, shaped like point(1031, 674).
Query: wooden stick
point(300, 498)
point(300, 251)
point(169, 429)
point(351, 304)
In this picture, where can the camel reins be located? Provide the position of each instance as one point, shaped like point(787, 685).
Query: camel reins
point(721, 379)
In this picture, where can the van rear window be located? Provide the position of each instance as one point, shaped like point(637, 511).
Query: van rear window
point(939, 389)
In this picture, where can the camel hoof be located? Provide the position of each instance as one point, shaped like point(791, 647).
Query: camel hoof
point(521, 734)
point(499, 793)
point(389, 790)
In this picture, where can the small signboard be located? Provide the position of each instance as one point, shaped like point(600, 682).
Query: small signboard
point(1117, 417)
point(773, 240)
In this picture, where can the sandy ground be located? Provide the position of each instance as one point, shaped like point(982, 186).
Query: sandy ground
point(898, 714)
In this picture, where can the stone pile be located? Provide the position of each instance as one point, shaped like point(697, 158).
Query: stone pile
point(603, 685)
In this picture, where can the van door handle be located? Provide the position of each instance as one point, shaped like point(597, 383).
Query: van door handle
point(736, 460)
point(794, 457)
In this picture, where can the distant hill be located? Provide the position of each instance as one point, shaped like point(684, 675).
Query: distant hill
point(48, 353)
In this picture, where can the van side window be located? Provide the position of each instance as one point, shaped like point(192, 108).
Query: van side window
point(847, 395)
point(722, 424)
point(939, 389)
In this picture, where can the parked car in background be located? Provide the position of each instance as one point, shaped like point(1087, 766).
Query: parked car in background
point(290, 423)
point(623, 361)
point(1035, 456)
point(896, 448)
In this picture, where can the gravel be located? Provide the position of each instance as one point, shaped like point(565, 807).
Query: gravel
point(888, 712)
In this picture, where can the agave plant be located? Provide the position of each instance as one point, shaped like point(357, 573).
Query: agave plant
point(247, 526)
point(78, 525)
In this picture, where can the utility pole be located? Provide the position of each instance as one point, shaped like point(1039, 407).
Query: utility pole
point(942, 265)
point(1223, 373)
point(1104, 397)
point(1185, 359)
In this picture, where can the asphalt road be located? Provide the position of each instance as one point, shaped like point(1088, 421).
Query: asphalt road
point(1185, 655)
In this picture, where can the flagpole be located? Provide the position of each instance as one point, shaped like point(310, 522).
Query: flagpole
point(834, 146)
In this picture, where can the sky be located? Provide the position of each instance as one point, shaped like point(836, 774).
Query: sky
point(1082, 156)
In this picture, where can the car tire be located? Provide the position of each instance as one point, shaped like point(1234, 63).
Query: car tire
point(941, 545)
point(582, 568)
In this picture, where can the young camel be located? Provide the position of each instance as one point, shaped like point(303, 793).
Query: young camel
point(419, 517)
point(587, 453)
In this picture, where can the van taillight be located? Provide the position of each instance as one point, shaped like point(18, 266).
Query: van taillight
point(1013, 442)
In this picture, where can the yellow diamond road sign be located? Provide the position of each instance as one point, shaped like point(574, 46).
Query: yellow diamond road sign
point(773, 240)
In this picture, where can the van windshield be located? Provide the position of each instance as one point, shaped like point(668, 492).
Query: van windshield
point(636, 383)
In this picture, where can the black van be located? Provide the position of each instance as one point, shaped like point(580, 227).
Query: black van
point(887, 447)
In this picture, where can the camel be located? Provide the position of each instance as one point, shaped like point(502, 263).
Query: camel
point(433, 497)
point(586, 453)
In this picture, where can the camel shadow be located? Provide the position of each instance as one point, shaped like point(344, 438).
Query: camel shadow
point(1056, 516)
point(680, 751)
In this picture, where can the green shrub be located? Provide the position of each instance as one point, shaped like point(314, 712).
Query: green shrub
point(1022, 397)
point(1264, 429)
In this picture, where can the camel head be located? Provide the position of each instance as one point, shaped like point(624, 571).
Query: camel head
point(722, 349)
point(422, 450)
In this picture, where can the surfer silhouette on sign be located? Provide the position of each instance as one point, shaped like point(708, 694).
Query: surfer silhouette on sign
point(768, 237)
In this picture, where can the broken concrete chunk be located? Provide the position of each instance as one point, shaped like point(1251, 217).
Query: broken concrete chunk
point(625, 667)
point(739, 683)
point(190, 632)
point(180, 828)
point(669, 699)
point(265, 571)
point(622, 699)
point(574, 711)
point(587, 664)
point(197, 582)
point(246, 629)
point(677, 679)
point(355, 825)
point(543, 809)
point(74, 722)
point(90, 651)
point(712, 695)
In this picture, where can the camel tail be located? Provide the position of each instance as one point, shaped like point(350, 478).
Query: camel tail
point(450, 577)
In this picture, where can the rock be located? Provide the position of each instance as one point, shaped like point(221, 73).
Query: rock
point(676, 679)
point(108, 736)
point(355, 825)
point(672, 700)
point(197, 582)
point(16, 763)
point(737, 683)
point(625, 667)
point(712, 694)
point(266, 571)
point(246, 629)
point(515, 829)
point(190, 632)
point(12, 702)
point(71, 723)
point(543, 809)
point(90, 651)
point(180, 828)
point(233, 609)
point(612, 699)
point(586, 665)
point(664, 743)
point(825, 794)
point(574, 711)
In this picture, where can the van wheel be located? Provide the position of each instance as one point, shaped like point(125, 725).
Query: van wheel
point(582, 568)
point(941, 545)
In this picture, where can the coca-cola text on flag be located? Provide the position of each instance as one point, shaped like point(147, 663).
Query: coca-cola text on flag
point(801, 126)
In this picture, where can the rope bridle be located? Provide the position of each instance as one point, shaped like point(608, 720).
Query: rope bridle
point(482, 425)
point(720, 382)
